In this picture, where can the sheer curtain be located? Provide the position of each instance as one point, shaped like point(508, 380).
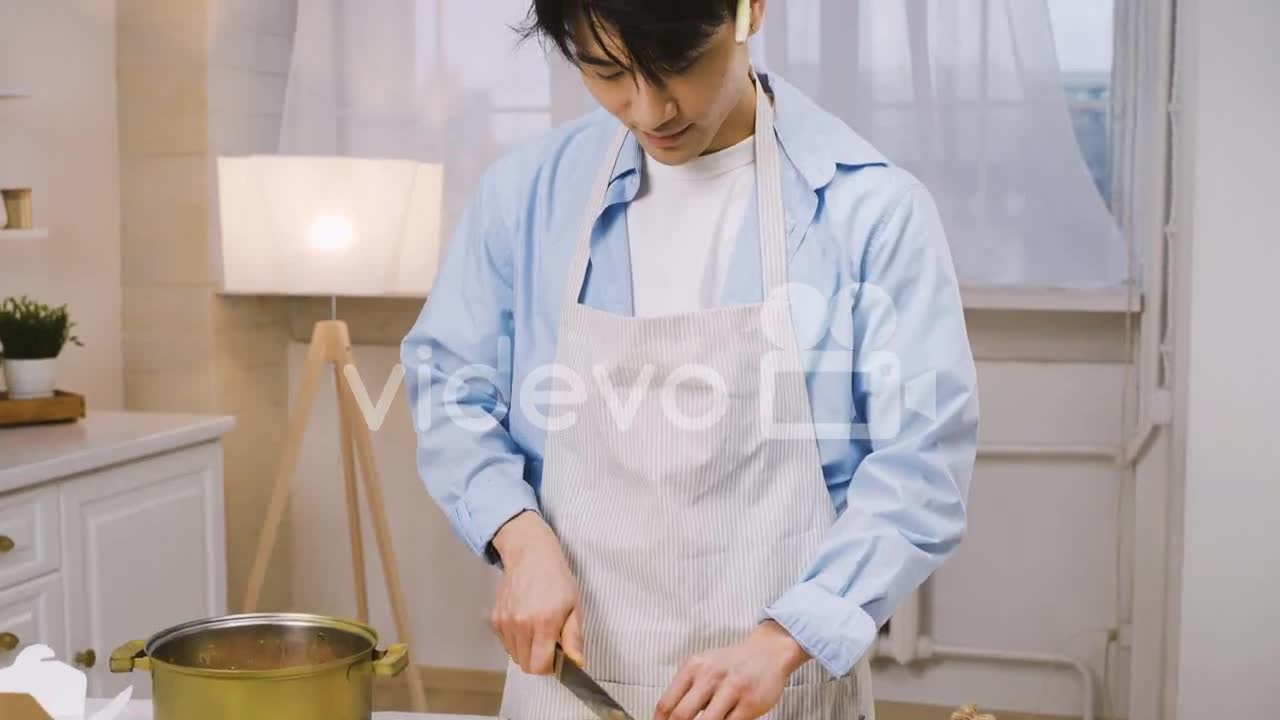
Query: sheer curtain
point(966, 94)
point(442, 81)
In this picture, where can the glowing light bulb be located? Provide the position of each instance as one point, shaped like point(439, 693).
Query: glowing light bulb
point(331, 232)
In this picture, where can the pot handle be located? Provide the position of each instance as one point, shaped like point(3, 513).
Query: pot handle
point(129, 657)
point(392, 661)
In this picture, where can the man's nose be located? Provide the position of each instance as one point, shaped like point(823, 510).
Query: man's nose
point(654, 107)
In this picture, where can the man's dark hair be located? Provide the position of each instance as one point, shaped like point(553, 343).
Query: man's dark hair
point(661, 37)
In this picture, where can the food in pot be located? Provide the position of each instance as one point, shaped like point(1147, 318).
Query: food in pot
point(261, 647)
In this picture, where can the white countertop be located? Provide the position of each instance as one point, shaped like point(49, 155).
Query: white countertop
point(141, 710)
point(33, 454)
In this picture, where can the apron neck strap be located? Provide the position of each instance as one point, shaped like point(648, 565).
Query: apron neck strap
point(773, 219)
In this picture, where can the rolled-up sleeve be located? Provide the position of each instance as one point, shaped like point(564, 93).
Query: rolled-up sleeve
point(906, 504)
point(457, 360)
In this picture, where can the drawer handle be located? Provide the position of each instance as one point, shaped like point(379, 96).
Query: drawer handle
point(6, 544)
point(9, 641)
point(86, 658)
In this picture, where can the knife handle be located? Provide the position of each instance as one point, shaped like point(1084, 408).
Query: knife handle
point(562, 656)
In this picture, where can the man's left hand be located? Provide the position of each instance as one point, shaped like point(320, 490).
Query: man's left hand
point(739, 682)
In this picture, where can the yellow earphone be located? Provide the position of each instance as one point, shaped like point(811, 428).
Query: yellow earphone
point(744, 20)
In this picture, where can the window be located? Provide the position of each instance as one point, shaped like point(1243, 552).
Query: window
point(962, 93)
point(968, 95)
point(1083, 31)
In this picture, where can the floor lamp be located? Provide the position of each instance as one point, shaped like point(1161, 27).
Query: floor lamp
point(331, 226)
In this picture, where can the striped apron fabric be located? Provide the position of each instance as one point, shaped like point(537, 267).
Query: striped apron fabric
point(680, 513)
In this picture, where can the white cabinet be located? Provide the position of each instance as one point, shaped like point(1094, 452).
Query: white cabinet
point(113, 532)
point(143, 553)
point(29, 614)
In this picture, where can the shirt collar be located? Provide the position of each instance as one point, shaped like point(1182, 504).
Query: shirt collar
point(814, 140)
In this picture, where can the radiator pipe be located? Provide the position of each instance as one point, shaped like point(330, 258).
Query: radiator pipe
point(927, 650)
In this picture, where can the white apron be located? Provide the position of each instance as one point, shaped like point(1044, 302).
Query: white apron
point(678, 515)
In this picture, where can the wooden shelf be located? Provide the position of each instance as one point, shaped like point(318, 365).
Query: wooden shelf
point(28, 234)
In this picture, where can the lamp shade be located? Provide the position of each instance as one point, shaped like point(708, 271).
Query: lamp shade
point(330, 226)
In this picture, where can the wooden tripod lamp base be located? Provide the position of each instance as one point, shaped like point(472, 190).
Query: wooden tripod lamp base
point(331, 346)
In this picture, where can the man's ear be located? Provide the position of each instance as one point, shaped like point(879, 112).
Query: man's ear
point(758, 8)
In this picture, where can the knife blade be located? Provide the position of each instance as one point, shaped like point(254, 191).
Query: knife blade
point(587, 690)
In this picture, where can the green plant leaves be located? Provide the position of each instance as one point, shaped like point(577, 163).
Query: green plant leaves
point(33, 331)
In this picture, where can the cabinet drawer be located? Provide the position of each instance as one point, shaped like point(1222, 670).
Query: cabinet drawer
point(29, 528)
point(31, 614)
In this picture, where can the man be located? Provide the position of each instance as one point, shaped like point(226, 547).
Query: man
point(695, 375)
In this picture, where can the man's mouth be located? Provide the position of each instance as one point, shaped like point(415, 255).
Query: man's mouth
point(666, 140)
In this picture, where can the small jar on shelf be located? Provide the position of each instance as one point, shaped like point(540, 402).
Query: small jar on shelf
point(17, 208)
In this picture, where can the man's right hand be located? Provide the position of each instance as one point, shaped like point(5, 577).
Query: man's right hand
point(537, 601)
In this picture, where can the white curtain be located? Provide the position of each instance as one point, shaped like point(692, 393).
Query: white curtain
point(966, 94)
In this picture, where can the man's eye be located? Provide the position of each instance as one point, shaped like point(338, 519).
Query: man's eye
point(616, 75)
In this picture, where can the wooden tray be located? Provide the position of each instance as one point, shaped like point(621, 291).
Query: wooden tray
point(62, 407)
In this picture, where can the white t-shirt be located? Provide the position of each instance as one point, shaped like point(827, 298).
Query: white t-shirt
point(683, 226)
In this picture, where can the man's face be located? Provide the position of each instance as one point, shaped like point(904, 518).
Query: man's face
point(677, 120)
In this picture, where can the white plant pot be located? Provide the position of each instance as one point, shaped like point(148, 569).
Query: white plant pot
point(28, 379)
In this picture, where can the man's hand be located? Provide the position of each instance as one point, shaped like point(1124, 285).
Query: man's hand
point(739, 682)
point(537, 598)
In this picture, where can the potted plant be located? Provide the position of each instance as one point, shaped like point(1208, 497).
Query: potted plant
point(32, 336)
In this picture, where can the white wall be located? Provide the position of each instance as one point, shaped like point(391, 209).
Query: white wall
point(1229, 628)
point(62, 143)
point(1038, 572)
point(250, 46)
point(248, 69)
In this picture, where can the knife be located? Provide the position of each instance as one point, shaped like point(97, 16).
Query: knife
point(587, 690)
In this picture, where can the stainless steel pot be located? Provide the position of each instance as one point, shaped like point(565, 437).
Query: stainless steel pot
point(277, 666)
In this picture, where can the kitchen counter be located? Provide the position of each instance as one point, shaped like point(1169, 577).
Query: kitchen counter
point(34, 454)
point(141, 710)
